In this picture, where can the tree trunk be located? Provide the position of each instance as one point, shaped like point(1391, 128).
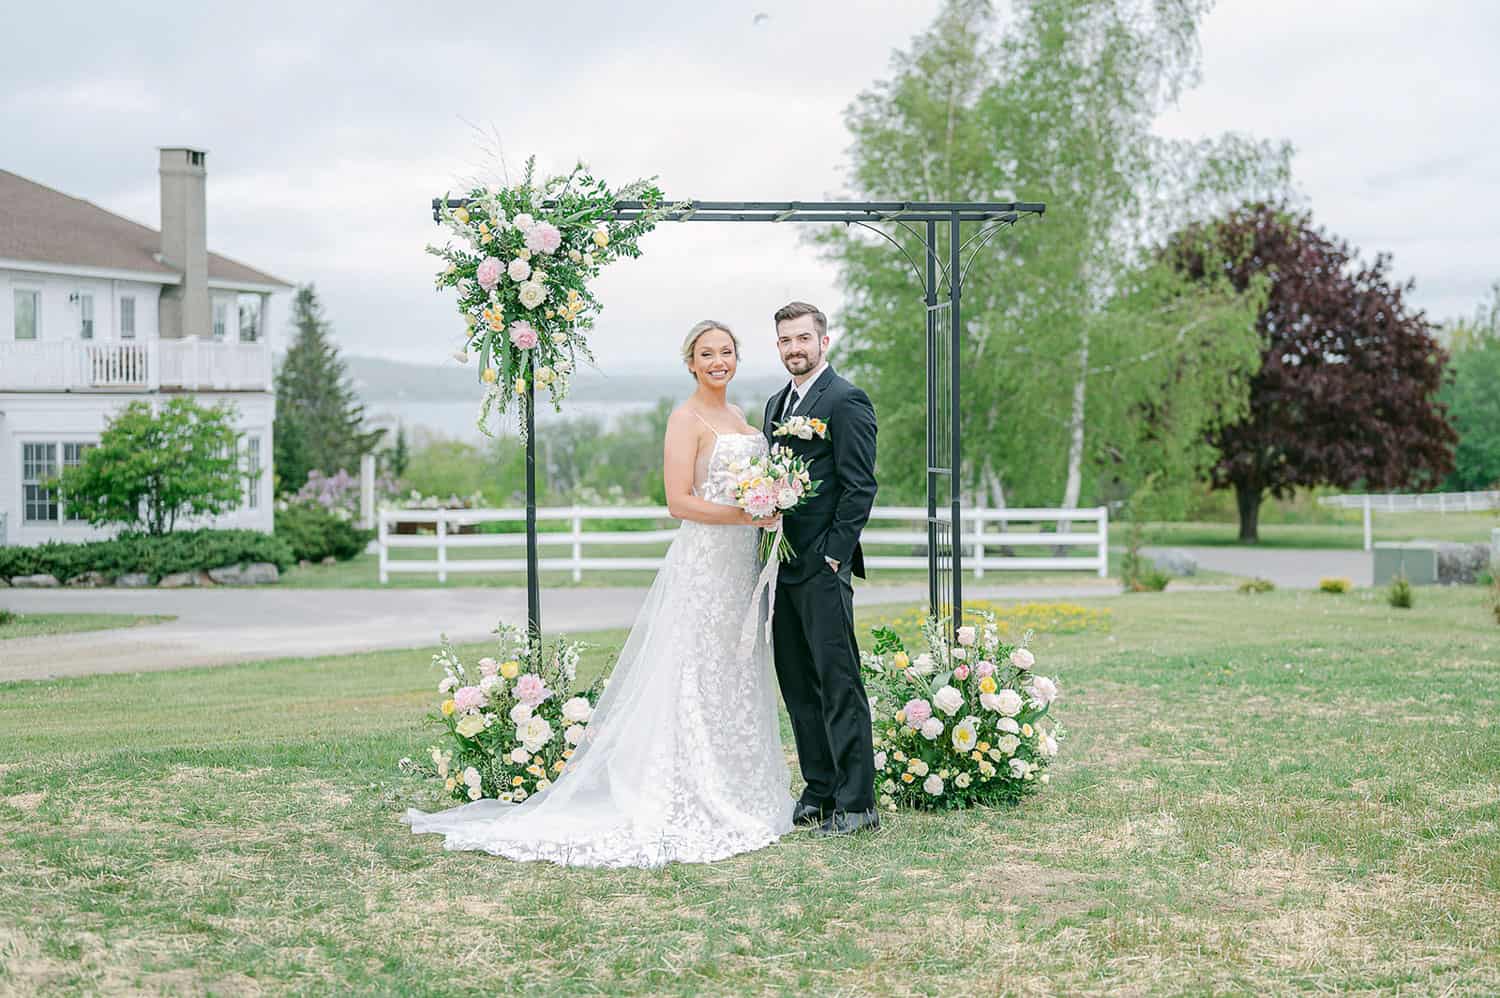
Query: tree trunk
point(1074, 485)
point(1248, 499)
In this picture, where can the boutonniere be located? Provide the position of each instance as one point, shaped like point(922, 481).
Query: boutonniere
point(802, 428)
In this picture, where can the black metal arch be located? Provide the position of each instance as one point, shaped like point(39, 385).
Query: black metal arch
point(944, 340)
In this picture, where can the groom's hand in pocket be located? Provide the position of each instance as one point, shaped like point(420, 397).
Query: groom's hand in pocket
point(832, 564)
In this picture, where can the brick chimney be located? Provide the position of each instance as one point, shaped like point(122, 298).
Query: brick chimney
point(184, 243)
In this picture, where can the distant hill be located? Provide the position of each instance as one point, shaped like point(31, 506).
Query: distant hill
point(378, 380)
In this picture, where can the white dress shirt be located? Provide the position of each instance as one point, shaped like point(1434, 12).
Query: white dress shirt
point(794, 397)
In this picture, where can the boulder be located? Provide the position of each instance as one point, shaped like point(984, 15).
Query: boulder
point(228, 575)
point(1175, 561)
point(177, 580)
point(204, 579)
point(260, 573)
point(1462, 564)
point(330, 560)
point(133, 580)
point(88, 580)
point(303, 563)
point(42, 581)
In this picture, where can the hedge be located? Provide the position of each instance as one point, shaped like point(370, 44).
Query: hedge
point(180, 551)
point(313, 533)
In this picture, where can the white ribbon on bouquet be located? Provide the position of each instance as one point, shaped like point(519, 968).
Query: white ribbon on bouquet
point(767, 583)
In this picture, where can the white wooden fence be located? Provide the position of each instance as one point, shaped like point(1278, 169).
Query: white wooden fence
point(986, 538)
point(1425, 502)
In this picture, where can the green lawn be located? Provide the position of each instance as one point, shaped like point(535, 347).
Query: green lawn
point(31, 625)
point(1347, 533)
point(1260, 794)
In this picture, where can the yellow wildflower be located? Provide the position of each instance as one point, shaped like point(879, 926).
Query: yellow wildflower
point(449, 707)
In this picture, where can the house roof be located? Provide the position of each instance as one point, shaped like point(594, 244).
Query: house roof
point(41, 225)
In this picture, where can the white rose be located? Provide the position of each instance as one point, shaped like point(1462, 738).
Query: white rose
point(577, 710)
point(475, 793)
point(966, 636)
point(922, 665)
point(520, 714)
point(1009, 702)
point(990, 701)
point(786, 499)
point(1008, 745)
point(948, 700)
point(1008, 725)
point(804, 432)
point(488, 683)
point(520, 756)
point(518, 270)
point(448, 685)
point(534, 732)
point(960, 653)
point(932, 729)
point(963, 780)
point(1022, 659)
point(471, 776)
point(533, 294)
point(918, 767)
point(933, 785)
point(523, 221)
point(966, 735)
point(1043, 690)
point(879, 760)
point(1047, 745)
point(1019, 768)
point(588, 259)
point(574, 734)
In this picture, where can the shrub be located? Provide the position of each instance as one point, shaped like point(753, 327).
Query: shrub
point(1257, 585)
point(1139, 575)
point(1495, 597)
point(8, 616)
point(1399, 595)
point(1335, 585)
point(313, 533)
point(155, 555)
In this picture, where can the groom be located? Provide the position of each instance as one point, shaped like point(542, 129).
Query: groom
point(817, 657)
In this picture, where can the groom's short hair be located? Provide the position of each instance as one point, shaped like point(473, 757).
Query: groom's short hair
point(797, 309)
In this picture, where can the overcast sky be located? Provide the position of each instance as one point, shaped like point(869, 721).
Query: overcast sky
point(330, 127)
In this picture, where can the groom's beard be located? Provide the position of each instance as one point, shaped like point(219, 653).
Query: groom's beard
point(801, 364)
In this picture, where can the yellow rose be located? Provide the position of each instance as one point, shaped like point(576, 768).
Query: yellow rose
point(461, 215)
point(520, 386)
point(983, 746)
point(907, 778)
point(1026, 730)
point(471, 725)
point(975, 756)
point(543, 784)
point(900, 756)
point(511, 669)
point(987, 684)
point(450, 784)
point(449, 707)
point(901, 662)
point(601, 237)
point(557, 766)
point(489, 375)
point(535, 770)
point(567, 753)
point(517, 781)
point(901, 716)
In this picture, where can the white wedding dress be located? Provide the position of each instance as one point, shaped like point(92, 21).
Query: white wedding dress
point(683, 760)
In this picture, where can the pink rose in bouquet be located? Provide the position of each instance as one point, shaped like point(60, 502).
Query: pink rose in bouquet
point(488, 273)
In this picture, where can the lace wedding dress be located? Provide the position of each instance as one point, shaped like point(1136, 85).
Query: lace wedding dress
point(683, 759)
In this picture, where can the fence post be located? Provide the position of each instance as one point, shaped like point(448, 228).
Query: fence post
point(979, 541)
point(1369, 540)
point(385, 576)
point(1103, 542)
point(442, 545)
point(577, 545)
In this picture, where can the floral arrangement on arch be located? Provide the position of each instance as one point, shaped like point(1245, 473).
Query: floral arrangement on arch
point(521, 262)
point(964, 722)
point(512, 719)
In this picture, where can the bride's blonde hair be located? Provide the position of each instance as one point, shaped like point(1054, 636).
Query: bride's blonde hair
point(696, 333)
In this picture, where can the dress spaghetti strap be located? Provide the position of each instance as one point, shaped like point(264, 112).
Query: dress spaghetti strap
point(704, 421)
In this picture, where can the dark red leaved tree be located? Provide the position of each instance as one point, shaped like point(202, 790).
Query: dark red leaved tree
point(1347, 390)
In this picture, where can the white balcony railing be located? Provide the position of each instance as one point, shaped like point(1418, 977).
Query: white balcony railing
point(147, 365)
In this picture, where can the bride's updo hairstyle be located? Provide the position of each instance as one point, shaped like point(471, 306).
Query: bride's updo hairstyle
point(696, 333)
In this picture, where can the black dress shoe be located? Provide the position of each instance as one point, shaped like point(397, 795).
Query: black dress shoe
point(809, 815)
point(850, 822)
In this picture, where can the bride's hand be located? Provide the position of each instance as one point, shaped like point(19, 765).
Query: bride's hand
point(768, 523)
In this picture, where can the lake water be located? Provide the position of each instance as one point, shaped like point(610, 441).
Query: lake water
point(456, 419)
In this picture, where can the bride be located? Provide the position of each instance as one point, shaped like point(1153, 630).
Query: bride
point(683, 762)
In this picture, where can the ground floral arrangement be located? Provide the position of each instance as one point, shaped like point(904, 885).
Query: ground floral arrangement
point(521, 263)
point(511, 722)
point(965, 722)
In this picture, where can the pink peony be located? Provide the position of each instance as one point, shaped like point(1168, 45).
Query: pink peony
point(488, 667)
point(1022, 659)
point(543, 237)
point(960, 672)
point(760, 501)
point(467, 698)
point(522, 335)
point(966, 636)
point(530, 689)
point(488, 274)
point(982, 669)
point(917, 712)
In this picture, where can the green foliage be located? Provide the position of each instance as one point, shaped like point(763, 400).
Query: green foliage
point(8, 617)
point(1137, 572)
point(1336, 586)
point(155, 555)
point(313, 533)
point(1257, 585)
point(1399, 593)
point(1085, 364)
point(398, 456)
point(1472, 395)
point(1494, 596)
point(318, 417)
point(150, 468)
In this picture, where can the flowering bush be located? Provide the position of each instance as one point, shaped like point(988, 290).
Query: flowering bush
point(338, 493)
point(521, 267)
point(964, 722)
point(512, 719)
point(1018, 618)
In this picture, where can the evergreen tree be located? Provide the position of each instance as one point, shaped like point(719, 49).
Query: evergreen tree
point(318, 418)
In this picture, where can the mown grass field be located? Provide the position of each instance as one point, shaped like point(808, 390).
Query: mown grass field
point(1260, 794)
point(31, 625)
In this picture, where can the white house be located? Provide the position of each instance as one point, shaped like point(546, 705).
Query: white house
point(97, 311)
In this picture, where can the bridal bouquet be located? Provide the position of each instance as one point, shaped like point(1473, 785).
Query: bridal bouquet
point(511, 723)
point(779, 482)
point(965, 722)
point(521, 261)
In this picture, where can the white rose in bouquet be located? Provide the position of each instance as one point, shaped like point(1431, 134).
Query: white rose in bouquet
point(577, 710)
point(948, 700)
point(1019, 768)
point(1022, 659)
point(520, 714)
point(880, 759)
point(932, 729)
point(1042, 690)
point(1008, 702)
point(534, 732)
point(1047, 745)
point(1008, 725)
point(1008, 745)
point(520, 756)
point(933, 784)
point(574, 734)
point(922, 665)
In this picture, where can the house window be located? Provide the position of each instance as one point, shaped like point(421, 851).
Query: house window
point(86, 316)
point(249, 318)
point(127, 318)
point(27, 307)
point(221, 319)
point(38, 501)
point(72, 457)
point(252, 472)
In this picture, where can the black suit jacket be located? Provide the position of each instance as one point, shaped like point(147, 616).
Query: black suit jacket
point(830, 524)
